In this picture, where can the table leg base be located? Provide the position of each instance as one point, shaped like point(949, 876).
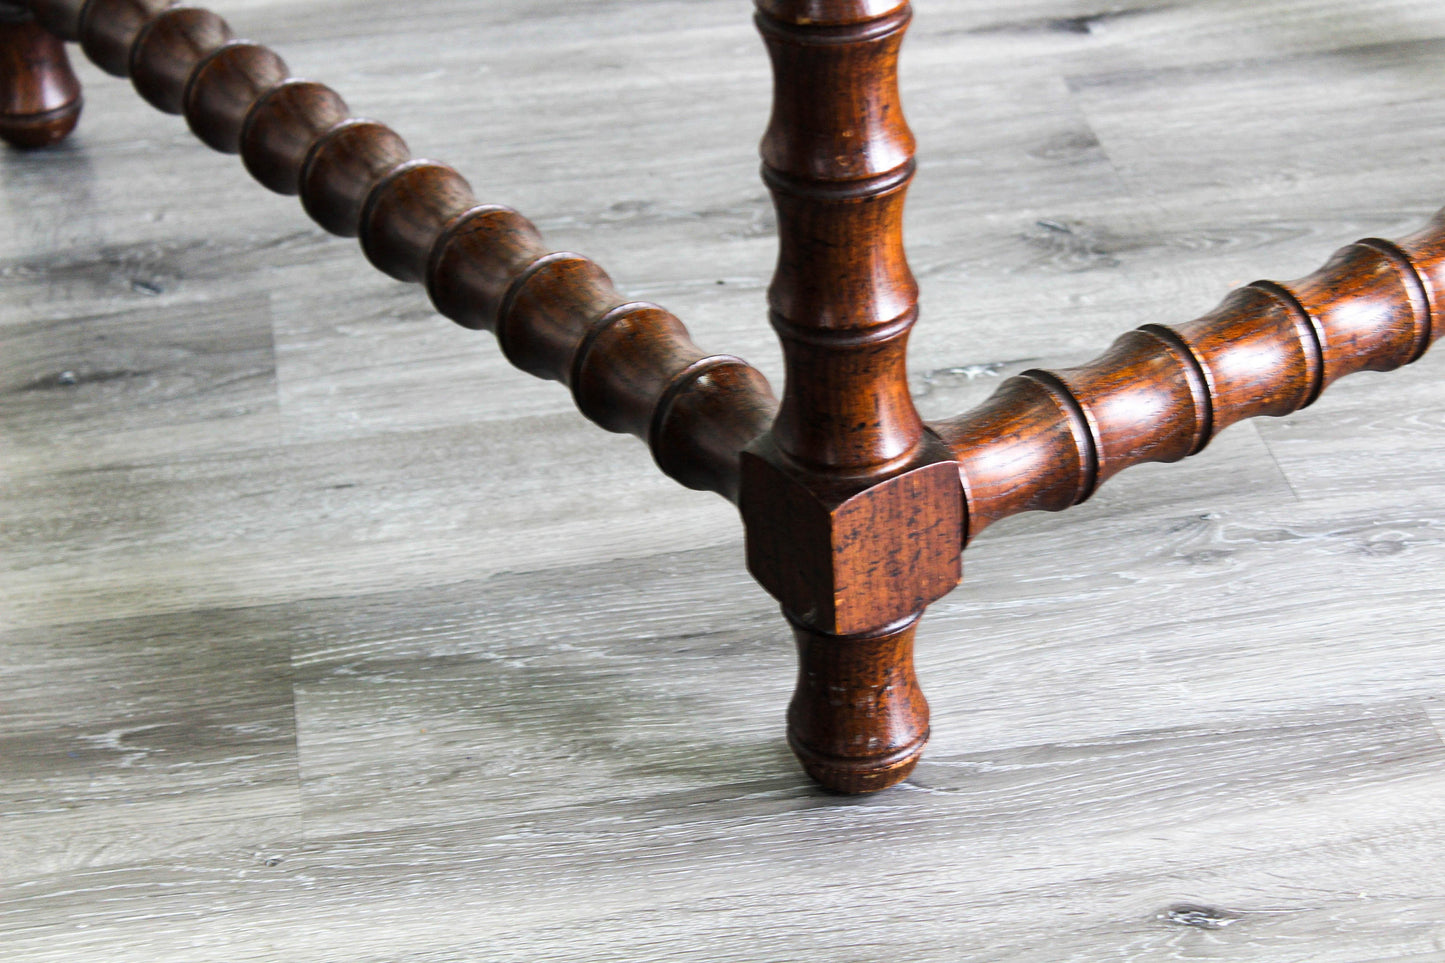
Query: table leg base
point(39, 94)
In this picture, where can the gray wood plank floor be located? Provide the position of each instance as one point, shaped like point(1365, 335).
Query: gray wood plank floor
point(325, 635)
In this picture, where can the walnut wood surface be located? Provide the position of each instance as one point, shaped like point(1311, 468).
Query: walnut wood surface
point(109, 28)
point(167, 50)
point(40, 98)
point(874, 738)
point(1048, 439)
point(296, 574)
point(418, 220)
point(342, 166)
point(851, 509)
point(281, 129)
point(223, 88)
point(60, 17)
point(855, 511)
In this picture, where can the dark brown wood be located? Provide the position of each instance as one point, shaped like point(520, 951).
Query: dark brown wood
point(108, 30)
point(60, 17)
point(547, 313)
point(631, 365)
point(853, 511)
point(167, 50)
point(477, 259)
point(39, 94)
point(705, 415)
point(624, 398)
point(406, 212)
point(858, 697)
point(1047, 440)
point(283, 126)
point(343, 167)
point(224, 87)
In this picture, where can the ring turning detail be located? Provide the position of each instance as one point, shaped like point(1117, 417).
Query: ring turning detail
point(856, 512)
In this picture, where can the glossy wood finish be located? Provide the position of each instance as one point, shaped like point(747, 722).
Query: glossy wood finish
point(855, 510)
point(858, 720)
point(167, 51)
point(282, 127)
point(109, 28)
point(224, 87)
point(1048, 439)
point(851, 509)
point(39, 94)
point(305, 575)
point(838, 157)
point(342, 167)
point(631, 365)
point(405, 213)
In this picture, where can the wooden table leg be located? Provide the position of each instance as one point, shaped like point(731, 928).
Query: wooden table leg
point(853, 510)
point(39, 94)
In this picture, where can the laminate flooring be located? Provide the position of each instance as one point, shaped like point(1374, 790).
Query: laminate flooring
point(327, 636)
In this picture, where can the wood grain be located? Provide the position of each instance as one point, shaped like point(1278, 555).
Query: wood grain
point(853, 512)
point(1047, 439)
point(39, 95)
point(1187, 719)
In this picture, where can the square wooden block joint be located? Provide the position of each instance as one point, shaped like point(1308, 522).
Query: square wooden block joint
point(848, 556)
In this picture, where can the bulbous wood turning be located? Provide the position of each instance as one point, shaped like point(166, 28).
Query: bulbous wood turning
point(858, 720)
point(342, 168)
point(282, 127)
point(167, 50)
point(405, 213)
point(631, 366)
point(1047, 440)
point(852, 509)
point(837, 157)
point(224, 87)
point(60, 17)
point(108, 30)
point(39, 94)
point(855, 510)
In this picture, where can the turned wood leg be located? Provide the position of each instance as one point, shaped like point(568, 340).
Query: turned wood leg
point(39, 94)
point(858, 720)
point(853, 510)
